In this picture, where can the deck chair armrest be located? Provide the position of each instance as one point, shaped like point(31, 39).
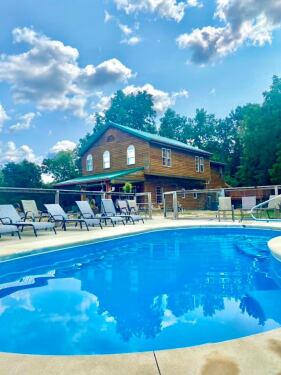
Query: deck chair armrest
point(58, 217)
point(3, 220)
point(28, 215)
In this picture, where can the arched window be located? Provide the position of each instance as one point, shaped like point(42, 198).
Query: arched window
point(131, 155)
point(89, 163)
point(106, 159)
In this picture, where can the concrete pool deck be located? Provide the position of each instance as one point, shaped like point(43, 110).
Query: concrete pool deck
point(257, 354)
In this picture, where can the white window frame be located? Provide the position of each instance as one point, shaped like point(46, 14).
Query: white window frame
point(166, 157)
point(89, 163)
point(197, 164)
point(131, 155)
point(201, 164)
point(106, 159)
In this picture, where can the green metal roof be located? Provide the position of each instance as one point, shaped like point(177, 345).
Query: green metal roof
point(145, 136)
point(99, 177)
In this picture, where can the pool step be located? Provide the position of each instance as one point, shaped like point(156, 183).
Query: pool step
point(252, 247)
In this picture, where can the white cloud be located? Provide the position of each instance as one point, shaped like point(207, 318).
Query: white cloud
point(170, 9)
point(9, 152)
point(48, 74)
point(3, 117)
point(132, 41)
point(125, 29)
point(161, 99)
point(107, 16)
point(46, 178)
point(251, 21)
point(25, 122)
point(64, 145)
point(103, 104)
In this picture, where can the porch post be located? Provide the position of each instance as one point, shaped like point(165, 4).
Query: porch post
point(175, 205)
point(57, 197)
point(149, 201)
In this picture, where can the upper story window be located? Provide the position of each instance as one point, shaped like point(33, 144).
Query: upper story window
point(199, 164)
point(131, 155)
point(110, 138)
point(166, 157)
point(106, 159)
point(89, 163)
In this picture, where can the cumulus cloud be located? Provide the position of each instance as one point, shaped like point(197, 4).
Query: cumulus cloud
point(107, 16)
point(9, 152)
point(48, 73)
point(125, 29)
point(64, 145)
point(3, 117)
point(251, 21)
point(161, 99)
point(24, 123)
point(170, 9)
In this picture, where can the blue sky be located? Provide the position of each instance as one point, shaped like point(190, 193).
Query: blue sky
point(60, 62)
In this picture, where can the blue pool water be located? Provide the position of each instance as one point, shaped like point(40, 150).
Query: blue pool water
point(158, 290)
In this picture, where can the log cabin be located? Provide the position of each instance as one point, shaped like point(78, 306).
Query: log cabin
point(152, 163)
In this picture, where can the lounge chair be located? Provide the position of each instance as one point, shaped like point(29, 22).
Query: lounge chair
point(58, 215)
point(31, 211)
point(247, 204)
point(87, 212)
point(109, 211)
point(274, 205)
point(9, 229)
point(124, 209)
point(224, 207)
point(9, 215)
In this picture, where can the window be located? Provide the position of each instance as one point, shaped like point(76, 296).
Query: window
point(202, 165)
point(166, 157)
point(106, 160)
point(89, 163)
point(159, 194)
point(131, 155)
point(197, 166)
point(110, 138)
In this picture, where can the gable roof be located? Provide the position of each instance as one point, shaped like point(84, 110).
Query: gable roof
point(149, 137)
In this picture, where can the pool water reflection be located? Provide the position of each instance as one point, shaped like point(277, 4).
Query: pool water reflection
point(158, 290)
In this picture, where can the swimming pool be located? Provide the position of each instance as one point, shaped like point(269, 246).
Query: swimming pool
point(157, 290)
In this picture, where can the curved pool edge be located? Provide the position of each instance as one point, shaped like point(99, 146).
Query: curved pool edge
point(275, 247)
point(260, 351)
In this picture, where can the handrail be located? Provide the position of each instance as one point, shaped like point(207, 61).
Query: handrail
point(262, 204)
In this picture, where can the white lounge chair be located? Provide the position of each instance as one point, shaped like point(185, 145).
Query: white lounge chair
point(31, 211)
point(109, 211)
point(9, 229)
point(224, 207)
point(9, 215)
point(87, 212)
point(247, 204)
point(58, 215)
point(124, 209)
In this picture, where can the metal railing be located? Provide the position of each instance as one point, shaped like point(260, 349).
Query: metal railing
point(13, 195)
point(203, 203)
point(273, 204)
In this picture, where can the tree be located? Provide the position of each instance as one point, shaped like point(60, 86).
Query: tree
point(172, 125)
point(275, 171)
point(24, 174)
point(133, 110)
point(1, 178)
point(62, 166)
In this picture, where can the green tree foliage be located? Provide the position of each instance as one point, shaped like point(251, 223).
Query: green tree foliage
point(62, 166)
point(24, 174)
point(275, 171)
point(133, 110)
point(172, 125)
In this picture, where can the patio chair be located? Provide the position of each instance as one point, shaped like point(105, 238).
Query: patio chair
point(109, 211)
point(124, 209)
point(31, 211)
point(87, 213)
point(273, 205)
point(9, 215)
point(9, 229)
point(58, 215)
point(247, 204)
point(224, 207)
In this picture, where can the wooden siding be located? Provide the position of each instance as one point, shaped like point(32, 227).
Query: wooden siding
point(118, 152)
point(183, 164)
point(216, 180)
